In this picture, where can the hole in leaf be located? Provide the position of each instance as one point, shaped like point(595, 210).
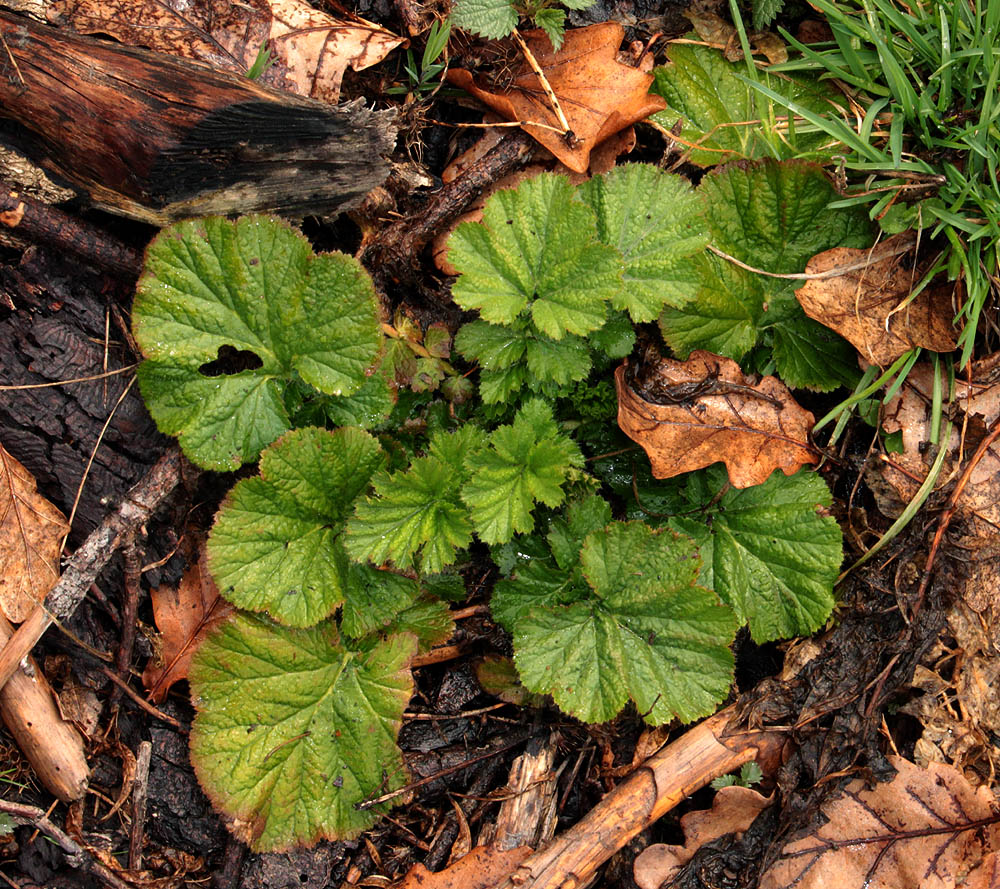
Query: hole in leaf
point(231, 361)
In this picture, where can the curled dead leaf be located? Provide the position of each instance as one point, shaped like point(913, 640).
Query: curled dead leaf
point(926, 828)
point(184, 616)
point(733, 810)
point(599, 95)
point(690, 414)
point(310, 49)
point(31, 534)
point(866, 303)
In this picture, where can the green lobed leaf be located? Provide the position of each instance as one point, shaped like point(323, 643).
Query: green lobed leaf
point(294, 727)
point(488, 18)
point(373, 599)
point(724, 117)
point(417, 517)
point(775, 553)
point(772, 216)
point(646, 631)
point(253, 286)
point(275, 545)
point(765, 12)
point(527, 461)
point(553, 22)
point(536, 251)
point(657, 222)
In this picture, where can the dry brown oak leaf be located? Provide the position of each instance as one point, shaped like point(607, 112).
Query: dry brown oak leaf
point(184, 615)
point(598, 94)
point(910, 412)
point(705, 411)
point(866, 303)
point(925, 829)
point(733, 810)
point(310, 49)
point(31, 535)
point(481, 868)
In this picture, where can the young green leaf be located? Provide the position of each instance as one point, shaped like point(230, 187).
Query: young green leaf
point(774, 552)
point(252, 286)
point(536, 251)
point(724, 118)
point(296, 726)
point(771, 216)
point(417, 517)
point(657, 222)
point(644, 632)
point(553, 22)
point(492, 19)
point(373, 599)
point(276, 541)
point(527, 461)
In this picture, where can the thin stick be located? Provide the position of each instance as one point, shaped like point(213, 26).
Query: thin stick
point(142, 702)
point(140, 787)
point(544, 81)
point(82, 569)
point(77, 857)
point(110, 373)
point(873, 257)
point(90, 462)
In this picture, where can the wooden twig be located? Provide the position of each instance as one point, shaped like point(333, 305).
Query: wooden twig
point(665, 779)
point(82, 569)
point(39, 223)
point(51, 745)
point(140, 789)
point(130, 610)
point(76, 855)
point(142, 703)
point(393, 256)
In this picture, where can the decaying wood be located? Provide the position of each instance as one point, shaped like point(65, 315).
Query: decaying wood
point(140, 793)
point(158, 139)
point(37, 222)
point(51, 745)
point(527, 816)
point(82, 569)
point(708, 750)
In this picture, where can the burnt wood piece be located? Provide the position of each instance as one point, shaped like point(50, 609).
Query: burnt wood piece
point(158, 139)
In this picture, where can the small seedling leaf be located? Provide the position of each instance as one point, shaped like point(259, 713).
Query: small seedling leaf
point(536, 251)
point(492, 19)
point(527, 462)
point(276, 543)
point(657, 222)
point(296, 726)
point(254, 288)
point(416, 517)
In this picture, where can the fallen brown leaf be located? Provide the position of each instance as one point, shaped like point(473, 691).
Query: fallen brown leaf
point(733, 810)
point(716, 30)
point(913, 831)
point(310, 49)
point(910, 412)
point(482, 867)
point(184, 615)
point(599, 95)
point(705, 410)
point(865, 305)
point(31, 533)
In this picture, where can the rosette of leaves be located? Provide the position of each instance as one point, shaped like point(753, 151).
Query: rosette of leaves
point(467, 482)
point(605, 612)
point(229, 315)
point(557, 273)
